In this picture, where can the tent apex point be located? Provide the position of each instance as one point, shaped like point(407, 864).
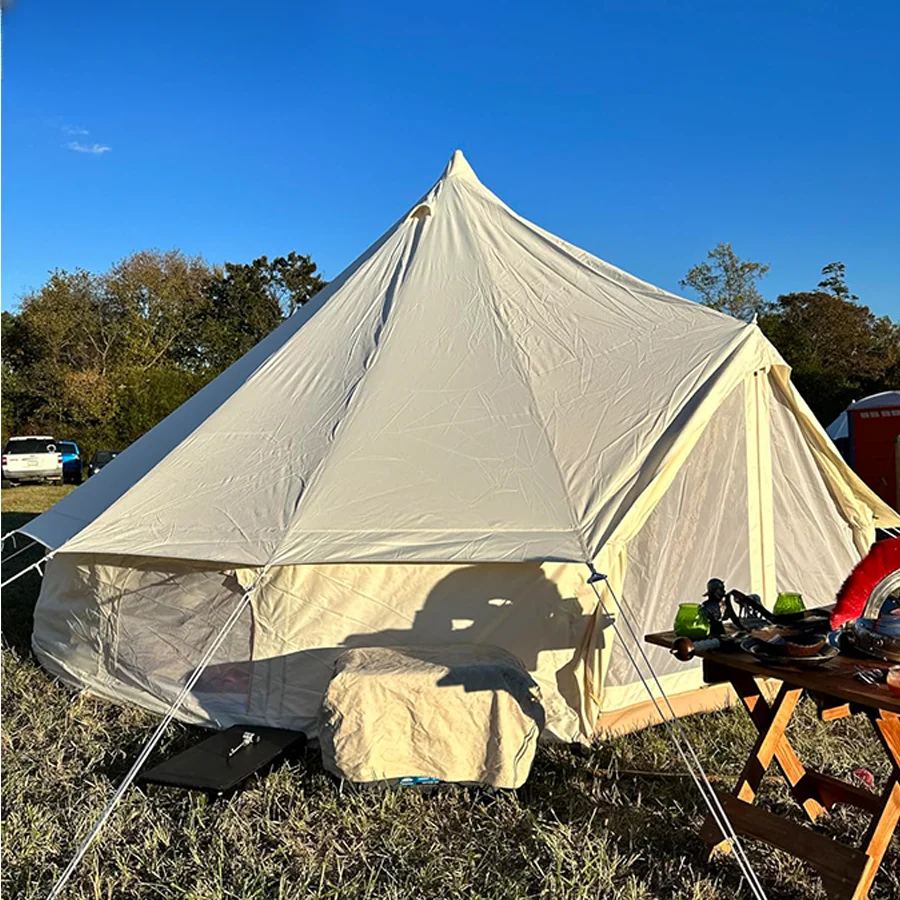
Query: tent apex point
point(459, 167)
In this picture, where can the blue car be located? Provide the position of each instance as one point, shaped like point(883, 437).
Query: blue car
point(73, 467)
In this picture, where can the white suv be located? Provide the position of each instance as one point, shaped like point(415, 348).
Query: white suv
point(32, 459)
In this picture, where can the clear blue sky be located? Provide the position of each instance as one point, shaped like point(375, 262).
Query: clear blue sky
point(644, 132)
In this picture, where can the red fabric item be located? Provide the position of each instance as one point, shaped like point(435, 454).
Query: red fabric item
point(881, 560)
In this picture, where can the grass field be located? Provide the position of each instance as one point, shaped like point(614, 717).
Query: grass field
point(618, 821)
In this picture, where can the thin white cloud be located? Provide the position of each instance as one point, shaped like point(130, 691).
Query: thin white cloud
point(74, 130)
point(78, 147)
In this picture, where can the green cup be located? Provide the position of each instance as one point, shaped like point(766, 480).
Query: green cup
point(788, 603)
point(691, 621)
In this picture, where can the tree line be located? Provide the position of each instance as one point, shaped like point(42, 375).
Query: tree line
point(101, 358)
point(837, 348)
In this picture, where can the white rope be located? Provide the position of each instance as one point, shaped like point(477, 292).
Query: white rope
point(34, 565)
point(728, 830)
point(705, 788)
point(676, 732)
point(155, 737)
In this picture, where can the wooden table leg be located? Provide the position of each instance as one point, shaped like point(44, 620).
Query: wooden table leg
point(788, 762)
point(878, 836)
point(771, 723)
point(847, 873)
point(771, 736)
point(772, 743)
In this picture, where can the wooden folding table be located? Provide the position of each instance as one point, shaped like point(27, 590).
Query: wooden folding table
point(847, 872)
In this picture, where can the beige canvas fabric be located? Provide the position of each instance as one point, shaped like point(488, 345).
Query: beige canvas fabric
point(466, 713)
point(306, 616)
point(471, 394)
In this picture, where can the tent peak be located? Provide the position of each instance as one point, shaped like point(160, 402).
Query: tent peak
point(459, 167)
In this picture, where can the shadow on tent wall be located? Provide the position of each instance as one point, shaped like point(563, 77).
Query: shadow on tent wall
point(462, 608)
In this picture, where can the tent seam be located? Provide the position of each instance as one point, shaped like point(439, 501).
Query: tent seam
point(526, 381)
point(733, 352)
point(401, 271)
point(589, 260)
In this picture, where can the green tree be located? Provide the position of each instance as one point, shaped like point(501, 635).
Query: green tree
point(838, 350)
point(48, 338)
point(156, 304)
point(242, 309)
point(100, 359)
point(294, 280)
point(9, 390)
point(145, 397)
point(248, 300)
point(835, 281)
point(727, 283)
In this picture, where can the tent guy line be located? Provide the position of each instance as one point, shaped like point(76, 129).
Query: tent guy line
point(10, 535)
point(676, 732)
point(20, 550)
point(36, 565)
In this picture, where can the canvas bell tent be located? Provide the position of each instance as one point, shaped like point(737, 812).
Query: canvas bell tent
point(431, 451)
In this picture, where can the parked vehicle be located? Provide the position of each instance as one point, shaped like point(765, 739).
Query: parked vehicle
point(73, 466)
point(100, 459)
point(36, 458)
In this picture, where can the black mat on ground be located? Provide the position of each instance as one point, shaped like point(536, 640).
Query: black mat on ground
point(221, 762)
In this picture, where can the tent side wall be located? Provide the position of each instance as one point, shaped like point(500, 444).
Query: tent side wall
point(759, 504)
point(814, 543)
point(131, 629)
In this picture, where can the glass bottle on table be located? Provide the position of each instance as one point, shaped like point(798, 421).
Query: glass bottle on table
point(789, 603)
point(691, 621)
